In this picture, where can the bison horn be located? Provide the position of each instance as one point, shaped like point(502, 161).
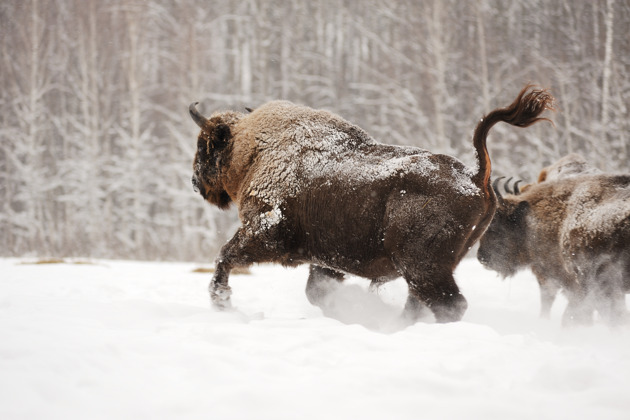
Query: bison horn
point(199, 119)
point(495, 187)
point(506, 186)
point(495, 184)
point(516, 190)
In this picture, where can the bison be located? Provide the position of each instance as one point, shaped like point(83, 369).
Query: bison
point(573, 232)
point(312, 188)
point(570, 165)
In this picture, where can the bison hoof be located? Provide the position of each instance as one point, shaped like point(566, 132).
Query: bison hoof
point(451, 312)
point(415, 310)
point(220, 296)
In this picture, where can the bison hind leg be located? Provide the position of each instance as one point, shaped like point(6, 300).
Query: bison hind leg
point(321, 281)
point(435, 288)
point(610, 298)
point(415, 310)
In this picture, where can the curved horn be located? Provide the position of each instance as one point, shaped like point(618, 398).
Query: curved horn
point(515, 189)
point(495, 187)
point(506, 186)
point(199, 119)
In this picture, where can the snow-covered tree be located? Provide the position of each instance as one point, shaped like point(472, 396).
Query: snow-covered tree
point(96, 143)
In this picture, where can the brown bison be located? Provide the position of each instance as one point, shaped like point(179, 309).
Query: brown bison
point(568, 166)
point(312, 188)
point(574, 233)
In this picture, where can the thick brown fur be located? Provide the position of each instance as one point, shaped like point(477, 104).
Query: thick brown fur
point(574, 233)
point(567, 166)
point(312, 188)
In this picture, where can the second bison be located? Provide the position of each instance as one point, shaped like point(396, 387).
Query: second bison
point(574, 233)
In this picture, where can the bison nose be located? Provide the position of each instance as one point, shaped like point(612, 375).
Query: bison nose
point(195, 184)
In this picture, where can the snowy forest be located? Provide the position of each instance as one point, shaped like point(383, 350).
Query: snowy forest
point(96, 144)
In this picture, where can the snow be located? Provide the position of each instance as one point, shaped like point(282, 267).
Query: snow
point(135, 340)
point(270, 218)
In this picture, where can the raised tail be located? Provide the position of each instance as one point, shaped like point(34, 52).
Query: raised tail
point(523, 112)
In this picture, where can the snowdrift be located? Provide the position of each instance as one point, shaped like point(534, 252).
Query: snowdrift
point(133, 340)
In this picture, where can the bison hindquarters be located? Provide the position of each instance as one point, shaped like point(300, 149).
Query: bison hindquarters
point(425, 244)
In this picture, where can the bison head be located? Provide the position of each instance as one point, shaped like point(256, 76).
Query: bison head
point(213, 151)
point(502, 247)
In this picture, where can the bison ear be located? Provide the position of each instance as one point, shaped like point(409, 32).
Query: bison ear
point(222, 135)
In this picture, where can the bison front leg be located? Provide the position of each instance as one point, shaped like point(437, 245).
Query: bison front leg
point(219, 288)
point(244, 249)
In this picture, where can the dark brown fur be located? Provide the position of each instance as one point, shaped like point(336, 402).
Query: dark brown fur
point(574, 233)
point(312, 188)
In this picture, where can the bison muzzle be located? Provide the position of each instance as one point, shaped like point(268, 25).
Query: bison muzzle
point(312, 188)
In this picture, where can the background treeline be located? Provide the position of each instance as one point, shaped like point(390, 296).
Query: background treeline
point(96, 141)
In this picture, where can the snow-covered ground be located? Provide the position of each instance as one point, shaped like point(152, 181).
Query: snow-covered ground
point(133, 340)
